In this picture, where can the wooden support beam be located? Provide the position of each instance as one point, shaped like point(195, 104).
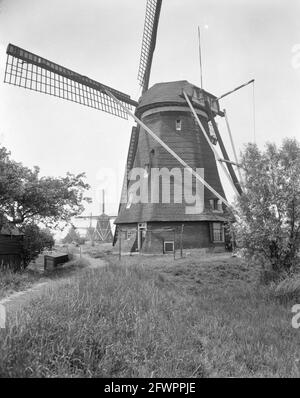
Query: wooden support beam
point(209, 141)
point(232, 145)
point(223, 149)
point(237, 88)
point(229, 161)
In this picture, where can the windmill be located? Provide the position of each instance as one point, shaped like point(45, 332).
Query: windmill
point(102, 233)
point(175, 128)
point(89, 231)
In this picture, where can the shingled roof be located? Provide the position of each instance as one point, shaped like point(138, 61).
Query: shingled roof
point(168, 93)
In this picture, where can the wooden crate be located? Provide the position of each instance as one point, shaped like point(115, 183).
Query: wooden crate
point(53, 261)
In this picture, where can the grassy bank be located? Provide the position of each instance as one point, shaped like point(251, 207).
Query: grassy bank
point(192, 318)
point(11, 282)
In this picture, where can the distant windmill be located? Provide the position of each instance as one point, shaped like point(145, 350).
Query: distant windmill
point(90, 230)
point(176, 127)
point(102, 232)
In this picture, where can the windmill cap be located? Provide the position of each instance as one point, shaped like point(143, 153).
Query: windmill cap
point(169, 93)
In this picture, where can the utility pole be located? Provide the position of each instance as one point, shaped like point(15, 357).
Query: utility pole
point(120, 244)
point(103, 201)
point(200, 57)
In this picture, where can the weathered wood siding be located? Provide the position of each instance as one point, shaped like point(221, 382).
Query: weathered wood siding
point(195, 235)
point(11, 247)
point(190, 144)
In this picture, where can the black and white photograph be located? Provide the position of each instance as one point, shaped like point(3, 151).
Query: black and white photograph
point(149, 192)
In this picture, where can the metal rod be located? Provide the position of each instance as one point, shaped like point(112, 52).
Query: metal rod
point(238, 88)
point(103, 201)
point(167, 148)
point(200, 57)
point(254, 118)
point(209, 142)
point(120, 237)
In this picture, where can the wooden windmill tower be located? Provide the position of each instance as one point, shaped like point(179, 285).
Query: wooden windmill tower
point(102, 233)
point(175, 128)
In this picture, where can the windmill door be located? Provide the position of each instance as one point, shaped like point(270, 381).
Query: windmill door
point(142, 229)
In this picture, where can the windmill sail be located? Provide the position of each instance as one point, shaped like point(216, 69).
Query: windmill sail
point(149, 41)
point(25, 69)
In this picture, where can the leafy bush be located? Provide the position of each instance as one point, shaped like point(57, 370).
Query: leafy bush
point(268, 212)
point(288, 289)
point(35, 241)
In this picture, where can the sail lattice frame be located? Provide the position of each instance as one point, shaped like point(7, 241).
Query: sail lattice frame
point(30, 71)
point(148, 42)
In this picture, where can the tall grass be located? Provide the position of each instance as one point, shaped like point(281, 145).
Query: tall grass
point(113, 322)
point(133, 321)
point(15, 281)
point(11, 282)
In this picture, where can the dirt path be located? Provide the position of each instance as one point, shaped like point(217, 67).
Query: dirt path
point(14, 301)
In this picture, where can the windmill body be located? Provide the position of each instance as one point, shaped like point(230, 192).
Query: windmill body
point(147, 226)
point(103, 231)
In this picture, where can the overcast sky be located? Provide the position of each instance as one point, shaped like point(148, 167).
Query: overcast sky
point(241, 40)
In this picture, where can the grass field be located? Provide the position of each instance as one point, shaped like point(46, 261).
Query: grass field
point(201, 316)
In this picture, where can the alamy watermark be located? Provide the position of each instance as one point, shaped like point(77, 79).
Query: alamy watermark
point(296, 317)
point(163, 185)
point(153, 185)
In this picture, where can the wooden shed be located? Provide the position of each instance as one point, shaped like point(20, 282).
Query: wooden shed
point(11, 248)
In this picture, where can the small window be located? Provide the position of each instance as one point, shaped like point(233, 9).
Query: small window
point(178, 125)
point(218, 232)
point(212, 134)
point(130, 233)
point(142, 225)
point(169, 246)
point(215, 205)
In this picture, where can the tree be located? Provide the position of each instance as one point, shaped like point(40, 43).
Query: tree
point(73, 237)
point(28, 200)
point(268, 213)
point(25, 196)
point(35, 241)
